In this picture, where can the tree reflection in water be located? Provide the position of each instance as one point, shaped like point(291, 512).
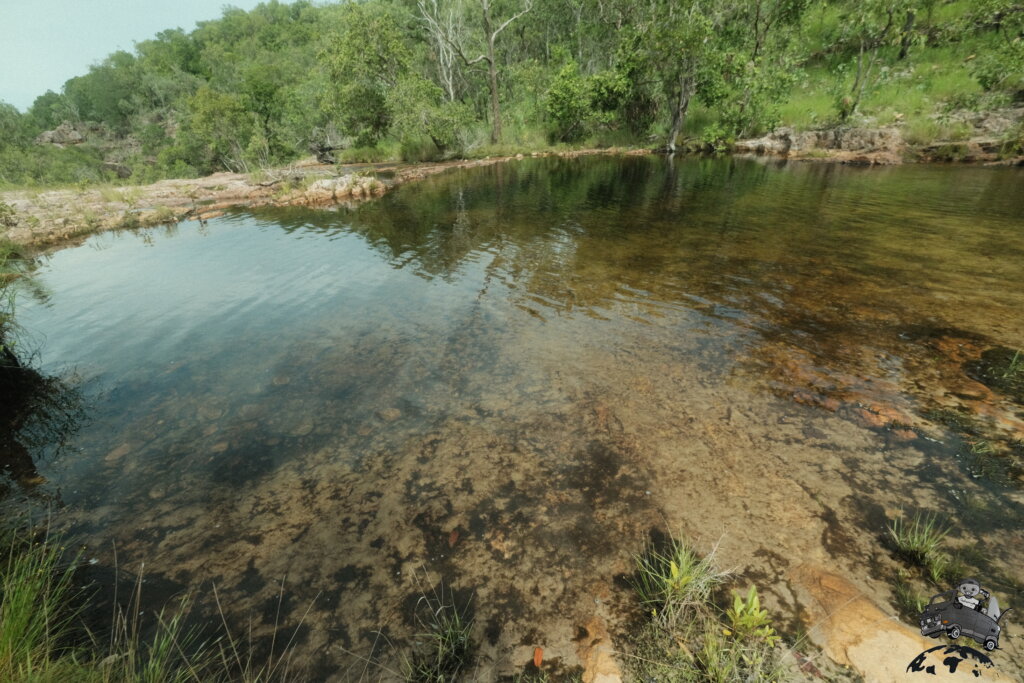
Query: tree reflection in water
point(38, 415)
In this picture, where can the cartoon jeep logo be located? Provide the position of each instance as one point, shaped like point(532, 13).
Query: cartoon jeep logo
point(968, 610)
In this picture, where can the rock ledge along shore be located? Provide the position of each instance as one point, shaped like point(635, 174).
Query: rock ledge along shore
point(56, 217)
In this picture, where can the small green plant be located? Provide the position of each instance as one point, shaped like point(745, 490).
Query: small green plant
point(164, 214)
point(90, 219)
point(908, 599)
point(128, 220)
point(688, 637)
point(445, 646)
point(920, 539)
point(722, 659)
point(747, 620)
point(982, 447)
point(984, 461)
point(668, 581)
point(943, 567)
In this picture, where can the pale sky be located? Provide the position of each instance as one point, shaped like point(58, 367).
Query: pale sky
point(45, 42)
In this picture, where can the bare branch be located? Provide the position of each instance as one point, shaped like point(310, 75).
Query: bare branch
point(528, 5)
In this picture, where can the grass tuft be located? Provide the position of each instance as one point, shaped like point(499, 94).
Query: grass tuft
point(670, 580)
point(1015, 367)
point(920, 539)
point(909, 600)
point(444, 646)
point(42, 640)
point(34, 618)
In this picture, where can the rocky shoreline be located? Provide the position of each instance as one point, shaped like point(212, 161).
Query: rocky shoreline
point(979, 138)
point(57, 217)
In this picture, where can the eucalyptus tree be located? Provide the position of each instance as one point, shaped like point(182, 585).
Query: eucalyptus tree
point(869, 25)
point(442, 21)
point(678, 43)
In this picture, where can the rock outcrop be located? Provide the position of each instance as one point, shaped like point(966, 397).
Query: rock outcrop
point(61, 136)
point(854, 632)
point(850, 144)
point(330, 190)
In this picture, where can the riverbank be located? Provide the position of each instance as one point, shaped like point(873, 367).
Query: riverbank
point(984, 141)
point(40, 219)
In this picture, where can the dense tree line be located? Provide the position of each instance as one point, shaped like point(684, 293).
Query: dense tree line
point(433, 78)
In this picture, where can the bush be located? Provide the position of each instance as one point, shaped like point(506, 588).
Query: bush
point(568, 104)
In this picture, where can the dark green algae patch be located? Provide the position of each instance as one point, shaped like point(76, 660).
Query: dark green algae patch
point(499, 380)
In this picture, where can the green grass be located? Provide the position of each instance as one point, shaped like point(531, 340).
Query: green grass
point(35, 618)
point(688, 637)
point(919, 539)
point(909, 600)
point(925, 131)
point(444, 647)
point(164, 214)
point(1015, 367)
point(42, 639)
point(670, 580)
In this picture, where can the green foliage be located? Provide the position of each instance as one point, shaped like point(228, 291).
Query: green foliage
point(35, 592)
point(41, 638)
point(672, 579)
point(444, 646)
point(419, 109)
point(921, 542)
point(568, 104)
point(1003, 66)
point(923, 131)
point(256, 88)
point(1013, 369)
point(747, 620)
point(364, 58)
point(8, 218)
point(909, 600)
point(217, 130)
point(699, 642)
point(36, 165)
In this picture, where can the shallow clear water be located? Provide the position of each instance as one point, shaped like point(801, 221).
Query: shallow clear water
point(500, 379)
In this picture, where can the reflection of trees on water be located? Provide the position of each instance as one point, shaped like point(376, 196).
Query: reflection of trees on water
point(821, 265)
point(38, 412)
point(795, 249)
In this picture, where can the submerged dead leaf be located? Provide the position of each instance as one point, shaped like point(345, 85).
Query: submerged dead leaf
point(453, 538)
